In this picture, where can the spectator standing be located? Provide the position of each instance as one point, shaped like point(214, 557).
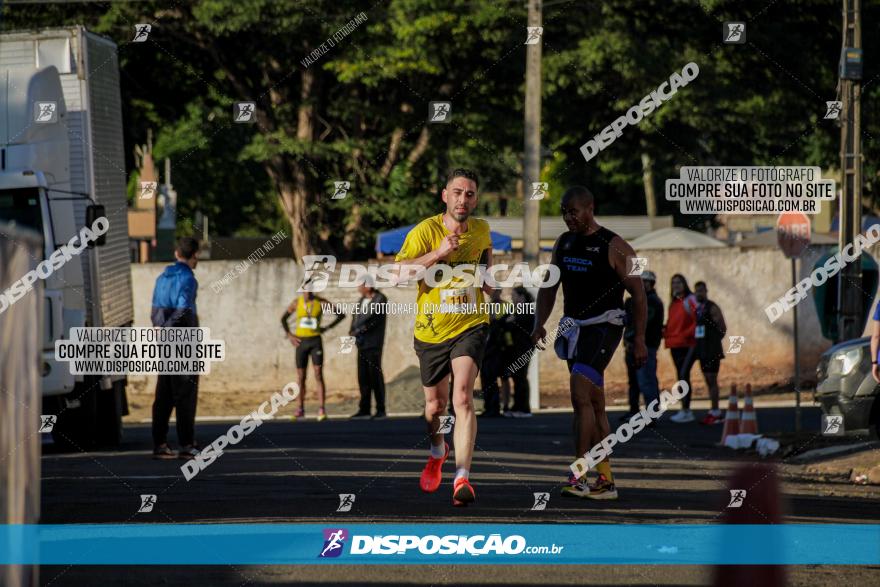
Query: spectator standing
point(368, 330)
point(174, 306)
point(709, 334)
point(644, 380)
point(679, 336)
point(521, 323)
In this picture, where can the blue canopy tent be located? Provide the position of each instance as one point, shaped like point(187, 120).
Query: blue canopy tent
point(390, 241)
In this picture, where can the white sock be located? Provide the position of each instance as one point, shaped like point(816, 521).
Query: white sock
point(460, 473)
point(438, 451)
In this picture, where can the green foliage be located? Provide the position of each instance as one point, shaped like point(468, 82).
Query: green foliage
point(758, 103)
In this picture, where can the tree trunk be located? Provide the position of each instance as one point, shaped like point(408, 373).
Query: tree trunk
point(291, 178)
point(648, 180)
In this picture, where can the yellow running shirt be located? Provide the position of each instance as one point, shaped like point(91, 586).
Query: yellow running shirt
point(462, 300)
point(308, 318)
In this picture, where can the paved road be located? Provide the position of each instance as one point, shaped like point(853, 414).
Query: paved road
point(293, 472)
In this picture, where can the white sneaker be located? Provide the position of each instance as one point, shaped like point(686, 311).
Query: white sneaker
point(683, 417)
point(522, 414)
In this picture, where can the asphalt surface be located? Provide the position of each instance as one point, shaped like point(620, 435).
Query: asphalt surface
point(294, 472)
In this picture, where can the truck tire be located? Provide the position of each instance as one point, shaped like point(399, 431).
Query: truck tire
point(111, 406)
point(75, 428)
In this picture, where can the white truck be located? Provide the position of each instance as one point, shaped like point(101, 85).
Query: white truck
point(61, 167)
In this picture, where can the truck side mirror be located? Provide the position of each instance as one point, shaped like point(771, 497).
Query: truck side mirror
point(94, 212)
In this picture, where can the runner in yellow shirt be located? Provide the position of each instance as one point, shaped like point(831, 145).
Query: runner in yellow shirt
point(307, 310)
point(451, 326)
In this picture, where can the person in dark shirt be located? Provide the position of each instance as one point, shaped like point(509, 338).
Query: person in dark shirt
point(644, 379)
point(709, 333)
point(492, 368)
point(368, 329)
point(521, 322)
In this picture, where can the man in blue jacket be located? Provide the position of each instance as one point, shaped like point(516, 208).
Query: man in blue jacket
point(174, 305)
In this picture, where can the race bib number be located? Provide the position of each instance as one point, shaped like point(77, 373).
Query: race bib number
point(457, 301)
point(700, 332)
point(309, 323)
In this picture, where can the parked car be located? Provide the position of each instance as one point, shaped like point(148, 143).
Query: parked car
point(846, 387)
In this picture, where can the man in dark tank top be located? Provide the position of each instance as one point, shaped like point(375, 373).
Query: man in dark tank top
point(595, 266)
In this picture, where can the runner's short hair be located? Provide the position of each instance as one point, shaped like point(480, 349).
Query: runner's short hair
point(187, 247)
point(578, 192)
point(463, 172)
point(699, 283)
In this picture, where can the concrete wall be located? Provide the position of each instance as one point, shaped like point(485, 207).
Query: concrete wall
point(246, 312)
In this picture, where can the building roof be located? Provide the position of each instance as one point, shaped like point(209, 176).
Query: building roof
point(675, 238)
point(628, 227)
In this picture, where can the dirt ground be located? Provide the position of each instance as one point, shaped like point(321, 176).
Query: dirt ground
point(403, 395)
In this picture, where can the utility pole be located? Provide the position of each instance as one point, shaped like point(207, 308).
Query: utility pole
point(849, 311)
point(532, 151)
point(532, 173)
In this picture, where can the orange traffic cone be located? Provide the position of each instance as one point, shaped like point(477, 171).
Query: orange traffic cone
point(731, 418)
point(748, 420)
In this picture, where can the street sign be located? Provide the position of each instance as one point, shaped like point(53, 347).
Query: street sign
point(793, 233)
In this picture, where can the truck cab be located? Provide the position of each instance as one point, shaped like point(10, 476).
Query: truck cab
point(61, 168)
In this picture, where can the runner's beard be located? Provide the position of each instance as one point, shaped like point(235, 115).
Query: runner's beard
point(460, 216)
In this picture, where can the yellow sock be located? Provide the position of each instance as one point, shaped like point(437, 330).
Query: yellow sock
point(604, 468)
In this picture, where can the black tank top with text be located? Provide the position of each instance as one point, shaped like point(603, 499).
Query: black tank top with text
point(590, 286)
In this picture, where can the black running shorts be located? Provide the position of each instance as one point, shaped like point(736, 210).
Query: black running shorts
point(710, 365)
point(435, 359)
point(596, 345)
point(310, 347)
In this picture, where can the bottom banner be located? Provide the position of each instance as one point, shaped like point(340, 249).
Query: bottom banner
point(297, 544)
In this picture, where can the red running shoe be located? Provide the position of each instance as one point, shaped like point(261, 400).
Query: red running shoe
point(462, 492)
point(432, 473)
